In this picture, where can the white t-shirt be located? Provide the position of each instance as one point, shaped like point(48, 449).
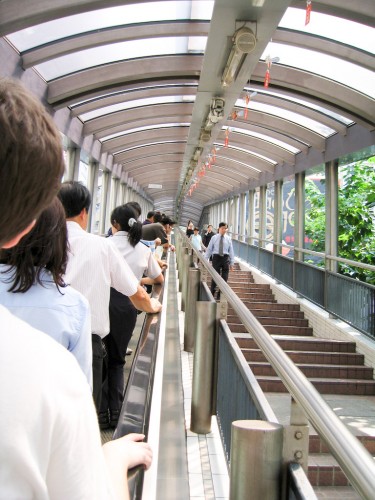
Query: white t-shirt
point(139, 258)
point(94, 266)
point(49, 437)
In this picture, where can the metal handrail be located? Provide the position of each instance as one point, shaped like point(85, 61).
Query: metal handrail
point(353, 458)
point(310, 252)
point(136, 407)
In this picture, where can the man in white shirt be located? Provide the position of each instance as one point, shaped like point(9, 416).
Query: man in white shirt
point(94, 266)
point(49, 435)
point(221, 249)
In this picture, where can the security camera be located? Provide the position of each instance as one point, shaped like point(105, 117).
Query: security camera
point(217, 109)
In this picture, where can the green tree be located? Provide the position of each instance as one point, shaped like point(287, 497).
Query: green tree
point(356, 234)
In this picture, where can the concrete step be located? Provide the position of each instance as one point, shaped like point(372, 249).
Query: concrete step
point(311, 357)
point(271, 306)
point(324, 386)
point(275, 329)
point(336, 492)
point(256, 295)
point(318, 371)
point(253, 286)
point(323, 470)
point(301, 343)
point(318, 446)
point(288, 330)
point(276, 313)
point(273, 320)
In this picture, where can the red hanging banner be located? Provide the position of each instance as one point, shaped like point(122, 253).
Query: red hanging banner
point(267, 78)
point(226, 141)
point(308, 12)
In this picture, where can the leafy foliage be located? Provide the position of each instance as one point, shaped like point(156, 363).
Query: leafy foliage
point(356, 233)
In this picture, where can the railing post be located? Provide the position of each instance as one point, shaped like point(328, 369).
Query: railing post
point(256, 460)
point(190, 308)
point(201, 406)
point(181, 270)
point(187, 263)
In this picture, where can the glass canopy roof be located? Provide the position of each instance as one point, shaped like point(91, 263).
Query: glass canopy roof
point(133, 85)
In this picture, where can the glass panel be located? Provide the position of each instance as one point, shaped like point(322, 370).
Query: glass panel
point(356, 218)
point(336, 69)
point(293, 117)
point(83, 173)
point(315, 222)
point(134, 104)
point(288, 215)
point(140, 129)
point(306, 104)
point(97, 200)
point(267, 138)
point(256, 217)
point(344, 31)
point(105, 54)
point(270, 216)
point(104, 18)
point(243, 150)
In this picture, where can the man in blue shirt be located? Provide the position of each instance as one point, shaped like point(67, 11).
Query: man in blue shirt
point(221, 249)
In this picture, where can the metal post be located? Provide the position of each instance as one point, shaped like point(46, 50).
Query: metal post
point(188, 262)
point(256, 460)
point(181, 268)
point(201, 410)
point(190, 308)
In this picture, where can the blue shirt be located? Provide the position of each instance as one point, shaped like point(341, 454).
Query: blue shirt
point(213, 247)
point(63, 315)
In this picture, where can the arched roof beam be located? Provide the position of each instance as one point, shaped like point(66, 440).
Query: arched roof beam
point(291, 129)
point(130, 117)
point(113, 34)
point(362, 12)
point(82, 82)
point(244, 169)
point(246, 158)
point(161, 159)
point(148, 123)
point(300, 109)
point(322, 88)
point(325, 46)
point(140, 92)
point(149, 150)
point(273, 134)
point(260, 146)
point(310, 99)
point(134, 139)
point(158, 167)
point(26, 13)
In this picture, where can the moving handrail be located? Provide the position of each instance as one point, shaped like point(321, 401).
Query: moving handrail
point(136, 407)
point(353, 458)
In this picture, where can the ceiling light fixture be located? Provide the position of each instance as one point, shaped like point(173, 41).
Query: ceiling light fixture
point(244, 42)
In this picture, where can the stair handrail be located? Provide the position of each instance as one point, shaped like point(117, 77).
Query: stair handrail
point(356, 462)
point(307, 251)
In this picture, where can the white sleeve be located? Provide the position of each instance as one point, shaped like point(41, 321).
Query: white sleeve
point(122, 277)
point(77, 470)
point(153, 269)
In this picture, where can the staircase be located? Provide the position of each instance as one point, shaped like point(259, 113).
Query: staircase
point(333, 367)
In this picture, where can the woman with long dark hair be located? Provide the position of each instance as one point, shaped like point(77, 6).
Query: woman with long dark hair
point(32, 286)
point(127, 232)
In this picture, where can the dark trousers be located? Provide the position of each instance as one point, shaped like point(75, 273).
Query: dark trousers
point(122, 319)
point(221, 266)
point(98, 354)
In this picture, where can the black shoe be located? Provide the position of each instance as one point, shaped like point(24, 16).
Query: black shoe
point(114, 418)
point(103, 419)
point(129, 351)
